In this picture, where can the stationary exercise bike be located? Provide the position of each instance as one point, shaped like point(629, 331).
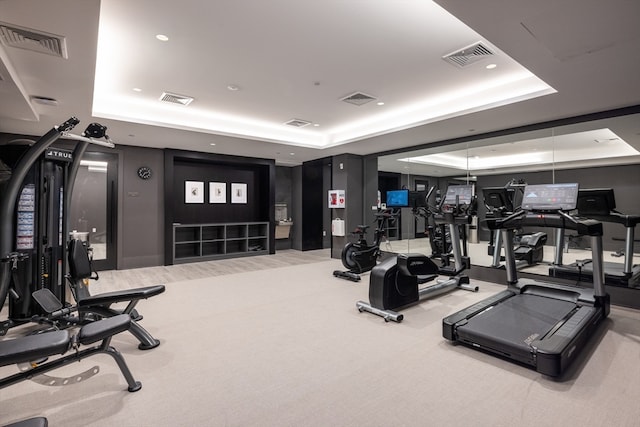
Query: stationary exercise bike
point(359, 257)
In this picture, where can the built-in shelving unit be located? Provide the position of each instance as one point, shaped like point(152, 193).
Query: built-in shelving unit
point(202, 242)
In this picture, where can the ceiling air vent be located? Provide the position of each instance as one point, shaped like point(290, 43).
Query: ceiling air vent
point(358, 98)
point(468, 55)
point(37, 41)
point(297, 123)
point(174, 98)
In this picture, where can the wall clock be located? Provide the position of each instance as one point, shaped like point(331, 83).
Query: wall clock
point(144, 172)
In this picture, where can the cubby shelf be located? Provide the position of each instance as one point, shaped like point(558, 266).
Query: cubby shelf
point(202, 242)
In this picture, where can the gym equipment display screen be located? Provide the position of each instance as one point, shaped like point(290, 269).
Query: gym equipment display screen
point(464, 194)
point(550, 197)
point(498, 197)
point(596, 201)
point(398, 199)
point(417, 199)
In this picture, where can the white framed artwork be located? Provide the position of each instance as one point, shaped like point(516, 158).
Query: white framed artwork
point(238, 193)
point(194, 192)
point(217, 192)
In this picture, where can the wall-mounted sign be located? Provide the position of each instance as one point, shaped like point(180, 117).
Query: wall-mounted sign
point(336, 199)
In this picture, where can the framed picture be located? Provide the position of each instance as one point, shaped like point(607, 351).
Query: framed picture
point(217, 192)
point(238, 193)
point(194, 192)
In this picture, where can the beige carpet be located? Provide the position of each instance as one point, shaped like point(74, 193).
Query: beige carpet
point(285, 346)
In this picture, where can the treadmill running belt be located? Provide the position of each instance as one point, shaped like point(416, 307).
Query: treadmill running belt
point(511, 326)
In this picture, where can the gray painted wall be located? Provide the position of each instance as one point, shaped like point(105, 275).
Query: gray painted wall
point(348, 175)
point(141, 209)
point(296, 204)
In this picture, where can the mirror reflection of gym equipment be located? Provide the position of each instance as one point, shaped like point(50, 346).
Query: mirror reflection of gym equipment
point(501, 202)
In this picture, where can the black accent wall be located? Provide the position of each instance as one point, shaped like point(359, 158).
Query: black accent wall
point(313, 195)
point(258, 174)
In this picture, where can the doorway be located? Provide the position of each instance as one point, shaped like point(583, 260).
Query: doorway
point(92, 215)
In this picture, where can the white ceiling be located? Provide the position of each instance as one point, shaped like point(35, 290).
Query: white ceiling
point(295, 59)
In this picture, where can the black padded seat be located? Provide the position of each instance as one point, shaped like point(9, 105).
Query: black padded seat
point(31, 422)
point(33, 347)
point(121, 296)
point(97, 331)
point(79, 261)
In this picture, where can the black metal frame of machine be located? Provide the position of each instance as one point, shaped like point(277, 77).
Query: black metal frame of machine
point(541, 324)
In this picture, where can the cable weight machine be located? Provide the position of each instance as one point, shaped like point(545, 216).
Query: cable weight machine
point(33, 224)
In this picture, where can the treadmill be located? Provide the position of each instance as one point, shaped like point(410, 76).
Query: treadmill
point(600, 204)
point(543, 325)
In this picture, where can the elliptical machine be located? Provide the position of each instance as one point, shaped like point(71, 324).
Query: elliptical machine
point(359, 257)
point(395, 282)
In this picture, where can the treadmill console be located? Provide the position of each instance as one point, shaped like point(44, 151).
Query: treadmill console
point(462, 194)
point(550, 197)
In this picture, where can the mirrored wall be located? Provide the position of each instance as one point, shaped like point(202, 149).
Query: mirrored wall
point(596, 154)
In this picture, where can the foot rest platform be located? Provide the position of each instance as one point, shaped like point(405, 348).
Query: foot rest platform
point(120, 296)
point(34, 347)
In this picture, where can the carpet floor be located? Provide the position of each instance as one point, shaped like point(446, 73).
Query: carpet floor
point(282, 344)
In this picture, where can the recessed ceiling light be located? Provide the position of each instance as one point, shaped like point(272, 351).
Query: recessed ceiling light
point(292, 154)
point(233, 87)
point(491, 66)
point(137, 89)
point(316, 124)
point(380, 103)
point(162, 37)
point(212, 144)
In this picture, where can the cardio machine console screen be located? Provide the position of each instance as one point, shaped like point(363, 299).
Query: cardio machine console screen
point(464, 193)
point(550, 197)
point(398, 198)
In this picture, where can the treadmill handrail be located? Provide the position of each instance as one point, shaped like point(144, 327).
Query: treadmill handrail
point(617, 218)
point(558, 219)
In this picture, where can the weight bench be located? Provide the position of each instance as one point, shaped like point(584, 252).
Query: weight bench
point(31, 422)
point(32, 348)
point(81, 271)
